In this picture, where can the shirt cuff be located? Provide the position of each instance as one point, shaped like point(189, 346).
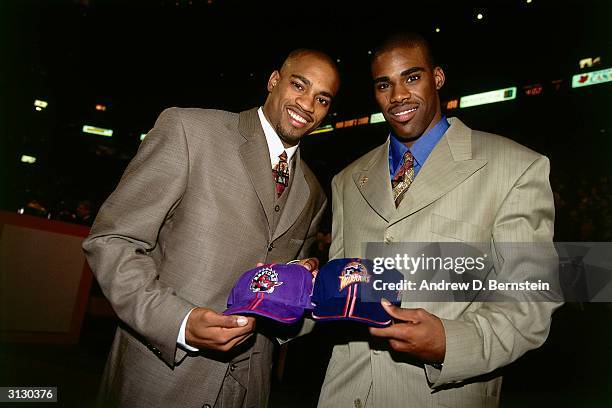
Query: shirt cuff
point(181, 335)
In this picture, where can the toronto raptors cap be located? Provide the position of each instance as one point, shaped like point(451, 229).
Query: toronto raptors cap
point(277, 291)
point(348, 289)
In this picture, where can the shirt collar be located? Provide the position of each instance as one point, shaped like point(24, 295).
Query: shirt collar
point(420, 149)
point(275, 145)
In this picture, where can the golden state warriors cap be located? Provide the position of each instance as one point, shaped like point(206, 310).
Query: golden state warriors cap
point(348, 289)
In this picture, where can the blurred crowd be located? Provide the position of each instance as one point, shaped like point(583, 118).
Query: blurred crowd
point(583, 209)
point(75, 211)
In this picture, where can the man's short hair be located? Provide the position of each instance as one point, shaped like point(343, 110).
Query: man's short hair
point(303, 51)
point(406, 39)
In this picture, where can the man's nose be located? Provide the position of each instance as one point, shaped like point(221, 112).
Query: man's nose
point(400, 94)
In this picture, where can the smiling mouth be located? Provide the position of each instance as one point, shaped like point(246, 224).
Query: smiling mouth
point(404, 115)
point(297, 120)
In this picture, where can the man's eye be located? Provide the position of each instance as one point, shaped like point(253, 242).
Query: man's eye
point(382, 86)
point(297, 86)
point(412, 78)
point(323, 101)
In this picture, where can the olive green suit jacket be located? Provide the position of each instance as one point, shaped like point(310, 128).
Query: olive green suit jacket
point(474, 187)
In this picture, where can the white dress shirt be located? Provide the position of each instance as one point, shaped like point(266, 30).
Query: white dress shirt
point(275, 144)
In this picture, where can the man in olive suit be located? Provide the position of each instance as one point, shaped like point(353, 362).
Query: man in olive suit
point(436, 180)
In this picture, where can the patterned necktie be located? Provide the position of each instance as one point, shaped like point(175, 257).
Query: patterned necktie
point(280, 172)
point(403, 178)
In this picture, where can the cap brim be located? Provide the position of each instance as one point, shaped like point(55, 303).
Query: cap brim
point(267, 308)
point(368, 313)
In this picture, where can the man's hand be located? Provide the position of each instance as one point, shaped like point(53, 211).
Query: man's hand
point(415, 331)
point(312, 264)
point(208, 329)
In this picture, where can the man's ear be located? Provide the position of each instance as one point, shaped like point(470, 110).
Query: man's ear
point(439, 77)
point(274, 78)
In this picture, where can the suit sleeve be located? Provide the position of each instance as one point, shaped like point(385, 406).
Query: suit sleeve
point(496, 334)
point(126, 231)
point(336, 250)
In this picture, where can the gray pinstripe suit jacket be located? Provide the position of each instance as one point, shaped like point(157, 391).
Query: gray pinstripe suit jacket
point(192, 211)
point(474, 187)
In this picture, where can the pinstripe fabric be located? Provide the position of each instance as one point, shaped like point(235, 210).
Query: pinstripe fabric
point(474, 187)
point(193, 210)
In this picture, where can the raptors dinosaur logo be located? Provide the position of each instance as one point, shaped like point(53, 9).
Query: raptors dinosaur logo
point(265, 281)
point(353, 272)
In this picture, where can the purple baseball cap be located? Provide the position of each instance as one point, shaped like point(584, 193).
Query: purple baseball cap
point(278, 291)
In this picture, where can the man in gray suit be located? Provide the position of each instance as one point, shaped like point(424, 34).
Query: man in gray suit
point(437, 180)
point(208, 196)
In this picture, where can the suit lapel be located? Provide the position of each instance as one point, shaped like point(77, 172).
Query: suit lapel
point(256, 159)
point(449, 164)
point(374, 183)
point(299, 194)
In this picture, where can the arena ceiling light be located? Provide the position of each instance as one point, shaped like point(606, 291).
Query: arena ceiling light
point(28, 159)
point(322, 129)
point(97, 131)
point(592, 78)
point(39, 105)
point(499, 95)
point(377, 117)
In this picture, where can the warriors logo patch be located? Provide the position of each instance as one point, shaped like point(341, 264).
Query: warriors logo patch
point(265, 281)
point(353, 272)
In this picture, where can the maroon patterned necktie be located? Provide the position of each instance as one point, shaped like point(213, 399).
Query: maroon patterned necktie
point(403, 178)
point(280, 172)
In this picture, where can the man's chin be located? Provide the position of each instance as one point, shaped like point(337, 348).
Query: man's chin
point(291, 137)
point(406, 133)
point(407, 136)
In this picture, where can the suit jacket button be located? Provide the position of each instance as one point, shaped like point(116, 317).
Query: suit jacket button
point(206, 406)
point(357, 403)
point(270, 247)
point(233, 367)
point(277, 208)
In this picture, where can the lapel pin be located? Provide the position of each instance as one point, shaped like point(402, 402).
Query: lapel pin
point(362, 182)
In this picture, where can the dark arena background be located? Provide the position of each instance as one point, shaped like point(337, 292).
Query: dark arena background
point(82, 82)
